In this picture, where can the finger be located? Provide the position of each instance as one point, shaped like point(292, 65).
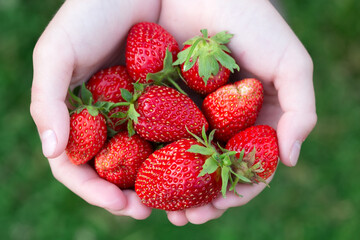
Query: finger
point(247, 192)
point(134, 208)
point(178, 218)
point(52, 75)
point(203, 214)
point(294, 82)
point(83, 181)
point(68, 50)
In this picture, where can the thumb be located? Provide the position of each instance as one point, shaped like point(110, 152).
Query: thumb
point(296, 96)
point(52, 74)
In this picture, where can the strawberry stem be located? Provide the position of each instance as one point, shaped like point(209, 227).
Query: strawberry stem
point(167, 74)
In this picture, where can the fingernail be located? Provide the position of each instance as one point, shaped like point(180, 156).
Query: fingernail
point(49, 142)
point(295, 152)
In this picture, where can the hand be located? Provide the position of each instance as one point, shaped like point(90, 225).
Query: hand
point(83, 37)
point(86, 36)
point(265, 47)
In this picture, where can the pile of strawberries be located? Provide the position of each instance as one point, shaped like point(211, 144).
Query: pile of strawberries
point(145, 133)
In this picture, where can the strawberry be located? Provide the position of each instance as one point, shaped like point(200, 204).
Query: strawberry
point(233, 107)
point(119, 160)
point(145, 49)
point(88, 130)
point(87, 136)
point(169, 180)
point(164, 115)
point(206, 62)
point(258, 146)
point(105, 85)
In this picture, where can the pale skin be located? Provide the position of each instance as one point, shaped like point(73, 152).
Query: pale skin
point(87, 35)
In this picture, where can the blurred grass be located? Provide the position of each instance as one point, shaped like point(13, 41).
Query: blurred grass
point(319, 199)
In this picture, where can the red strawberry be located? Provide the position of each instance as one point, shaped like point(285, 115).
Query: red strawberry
point(233, 107)
point(206, 63)
point(260, 149)
point(196, 83)
point(120, 159)
point(169, 180)
point(164, 115)
point(87, 136)
point(105, 85)
point(145, 49)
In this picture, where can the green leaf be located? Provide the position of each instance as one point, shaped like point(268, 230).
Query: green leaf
point(93, 111)
point(181, 57)
point(240, 177)
point(195, 136)
point(133, 114)
point(211, 136)
point(225, 174)
point(119, 115)
point(104, 107)
point(130, 129)
point(200, 149)
point(233, 184)
point(222, 37)
point(119, 104)
point(138, 87)
point(242, 153)
point(210, 166)
point(189, 64)
point(168, 60)
point(192, 40)
point(86, 95)
point(74, 100)
point(225, 48)
point(203, 134)
point(191, 55)
point(204, 33)
point(226, 60)
point(208, 66)
point(233, 187)
point(226, 160)
point(126, 95)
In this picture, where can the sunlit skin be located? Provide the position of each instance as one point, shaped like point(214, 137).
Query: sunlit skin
point(85, 36)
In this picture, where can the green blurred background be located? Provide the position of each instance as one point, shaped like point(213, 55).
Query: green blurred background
point(318, 199)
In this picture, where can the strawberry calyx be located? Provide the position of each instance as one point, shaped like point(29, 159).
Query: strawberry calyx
point(168, 74)
point(245, 166)
point(131, 116)
point(235, 168)
point(86, 101)
point(209, 52)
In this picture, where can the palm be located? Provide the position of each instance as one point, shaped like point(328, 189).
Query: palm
point(262, 45)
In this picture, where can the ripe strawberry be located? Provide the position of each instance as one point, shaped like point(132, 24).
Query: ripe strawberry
point(120, 159)
point(169, 180)
point(106, 85)
point(87, 136)
point(259, 147)
point(206, 62)
point(165, 115)
point(233, 107)
point(145, 49)
point(196, 83)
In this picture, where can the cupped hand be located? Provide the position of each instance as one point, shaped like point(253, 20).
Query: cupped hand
point(264, 47)
point(83, 37)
